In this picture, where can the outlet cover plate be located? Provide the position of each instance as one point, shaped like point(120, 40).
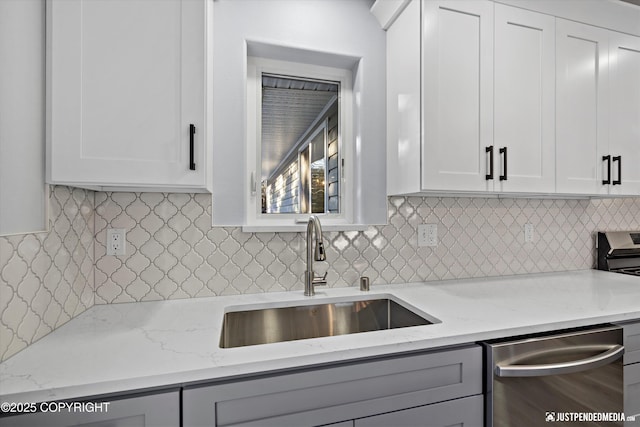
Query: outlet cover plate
point(116, 241)
point(528, 233)
point(428, 235)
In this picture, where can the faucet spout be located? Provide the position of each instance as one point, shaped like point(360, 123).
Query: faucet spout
point(315, 250)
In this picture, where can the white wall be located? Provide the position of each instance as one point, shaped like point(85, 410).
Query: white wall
point(22, 122)
point(314, 25)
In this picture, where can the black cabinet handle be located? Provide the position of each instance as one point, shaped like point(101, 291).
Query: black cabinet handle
point(192, 131)
point(503, 151)
point(489, 150)
point(608, 180)
point(619, 160)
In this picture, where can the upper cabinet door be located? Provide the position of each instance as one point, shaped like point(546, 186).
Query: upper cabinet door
point(457, 98)
point(624, 135)
point(126, 82)
point(582, 108)
point(524, 121)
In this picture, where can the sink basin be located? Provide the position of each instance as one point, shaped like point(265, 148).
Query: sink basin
point(313, 320)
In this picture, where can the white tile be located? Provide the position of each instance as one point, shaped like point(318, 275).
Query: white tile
point(175, 253)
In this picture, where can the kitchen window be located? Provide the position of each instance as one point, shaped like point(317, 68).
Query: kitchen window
point(299, 119)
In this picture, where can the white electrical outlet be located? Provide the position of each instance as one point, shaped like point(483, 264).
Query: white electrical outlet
point(427, 234)
point(116, 241)
point(528, 233)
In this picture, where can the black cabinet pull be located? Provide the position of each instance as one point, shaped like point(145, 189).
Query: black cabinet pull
point(619, 160)
point(503, 151)
point(608, 180)
point(489, 150)
point(192, 131)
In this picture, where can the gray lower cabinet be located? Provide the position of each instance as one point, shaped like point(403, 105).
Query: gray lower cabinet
point(631, 334)
point(399, 387)
point(155, 410)
point(632, 393)
point(465, 412)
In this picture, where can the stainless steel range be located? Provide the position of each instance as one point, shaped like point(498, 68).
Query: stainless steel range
point(619, 252)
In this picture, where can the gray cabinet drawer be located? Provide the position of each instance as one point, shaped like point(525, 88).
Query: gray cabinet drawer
point(334, 394)
point(467, 412)
point(154, 410)
point(631, 343)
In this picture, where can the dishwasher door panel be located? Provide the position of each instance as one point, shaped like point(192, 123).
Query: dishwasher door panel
point(531, 379)
point(527, 401)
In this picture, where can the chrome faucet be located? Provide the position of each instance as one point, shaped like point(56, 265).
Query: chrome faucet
point(317, 253)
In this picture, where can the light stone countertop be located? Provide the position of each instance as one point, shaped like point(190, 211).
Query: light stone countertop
point(135, 346)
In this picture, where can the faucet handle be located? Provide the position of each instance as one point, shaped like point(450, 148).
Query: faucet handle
point(319, 281)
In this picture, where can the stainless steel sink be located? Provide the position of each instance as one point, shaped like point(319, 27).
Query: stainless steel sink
point(277, 324)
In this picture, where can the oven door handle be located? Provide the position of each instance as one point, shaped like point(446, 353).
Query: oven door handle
point(612, 354)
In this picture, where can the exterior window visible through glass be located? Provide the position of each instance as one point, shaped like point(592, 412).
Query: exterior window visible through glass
point(300, 170)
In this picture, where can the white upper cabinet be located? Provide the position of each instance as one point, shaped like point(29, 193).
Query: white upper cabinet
point(457, 94)
point(513, 99)
point(127, 94)
point(440, 97)
point(624, 131)
point(404, 102)
point(485, 120)
point(598, 110)
point(582, 107)
point(524, 121)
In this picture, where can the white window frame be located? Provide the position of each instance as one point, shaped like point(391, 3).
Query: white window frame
point(257, 221)
point(322, 128)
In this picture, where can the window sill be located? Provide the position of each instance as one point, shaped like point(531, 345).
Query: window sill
point(301, 228)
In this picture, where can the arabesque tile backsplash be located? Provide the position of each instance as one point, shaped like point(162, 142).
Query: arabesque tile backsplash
point(46, 279)
point(173, 252)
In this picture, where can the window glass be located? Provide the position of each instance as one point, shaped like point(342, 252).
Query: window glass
point(300, 171)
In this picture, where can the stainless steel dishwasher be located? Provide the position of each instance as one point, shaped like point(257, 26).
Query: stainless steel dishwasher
point(567, 379)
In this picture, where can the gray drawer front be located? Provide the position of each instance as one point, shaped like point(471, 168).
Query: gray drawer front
point(631, 343)
point(466, 412)
point(161, 409)
point(326, 395)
